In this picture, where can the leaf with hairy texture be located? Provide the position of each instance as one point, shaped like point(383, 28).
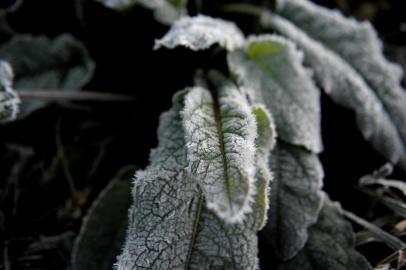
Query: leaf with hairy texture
point(264, 143)
point(296, 198)
point(170, 227)
point(165, 11)
point(9, 101)
point(220, 133)
point(272, 67)
point(331, 244)
point(200, 33)
point(354, 70)
point(102, 233)
point(43, 63)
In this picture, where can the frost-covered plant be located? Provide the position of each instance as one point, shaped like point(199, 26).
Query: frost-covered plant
point(209, 185)
point(238, 151)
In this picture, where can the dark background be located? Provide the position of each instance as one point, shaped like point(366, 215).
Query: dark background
point(40, 199)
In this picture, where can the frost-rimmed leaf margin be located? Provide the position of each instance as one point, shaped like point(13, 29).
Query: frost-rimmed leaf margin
point(296, 198)
point(9, 100)
point(200, 33)
point(331, 244)
point(40, 62)
point(357, 47)
point(169, 225)
point(257, 67)
point(220, 134)
point(265, 142)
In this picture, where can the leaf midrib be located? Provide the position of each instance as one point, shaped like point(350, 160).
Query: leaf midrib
point(195, 228)
point(219, 127)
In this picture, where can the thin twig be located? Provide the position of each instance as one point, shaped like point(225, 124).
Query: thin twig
point(55, 94)
point(392, 241)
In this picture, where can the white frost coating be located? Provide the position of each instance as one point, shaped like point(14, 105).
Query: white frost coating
point(164, 11)
point(220, 141)
point(357, 43)
point(201, 32)
point(346, 87)
point(272, 67)
point(331, 245)
point(9, 100)
point(264, 143)
point(296, 198)
point(169, 224)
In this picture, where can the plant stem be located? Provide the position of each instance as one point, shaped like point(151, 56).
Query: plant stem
point(56, 94)
point(392, 241)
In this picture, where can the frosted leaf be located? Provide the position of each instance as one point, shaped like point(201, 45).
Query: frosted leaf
point(9, 101)
point(331, 245)
point(169, 224)
point(264, 142)
point(296, 198)
point(220, 133)
point(272, 67)
point(165, 11)
point(103, 229)
point(358, 44)
point(43, 63)
point(346, 87)
point(201, 32)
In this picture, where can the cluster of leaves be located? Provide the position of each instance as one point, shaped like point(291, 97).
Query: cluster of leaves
point(238, 151)
point(347, 63)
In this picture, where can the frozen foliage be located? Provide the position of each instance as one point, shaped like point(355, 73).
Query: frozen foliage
point(170, 226)
point(202, 32)
point(220, 133)
point(331, 245)
point(43, 63)
point(357, 45)
point(296, 198)
point(9, 101)
point(107, 209)
point(205, 194)
point(264, 142)
point(272, 68)
point(165, 11)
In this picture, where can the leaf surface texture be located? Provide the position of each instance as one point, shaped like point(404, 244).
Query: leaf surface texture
point(9, 100)
point(220, 133)
point(201, 32)
point(170, 226)
point(44, 63)
point(331, 245)
point(347, 59)
point(271, 67)
point(296, 198)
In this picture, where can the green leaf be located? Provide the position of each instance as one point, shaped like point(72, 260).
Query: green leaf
point(347, 59)
point(200, 33)
point(103, 230)
point(331, 245)
point(264, 142)
point(272, 68)
point(43, 63)
point(9, 100)
point(296, 198)
point(170, 226)
point(220, 134)
point(165, 11)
